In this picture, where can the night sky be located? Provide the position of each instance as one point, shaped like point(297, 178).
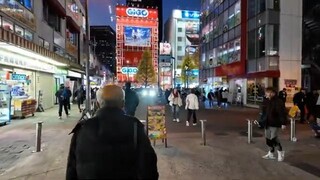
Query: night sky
point(99, 13)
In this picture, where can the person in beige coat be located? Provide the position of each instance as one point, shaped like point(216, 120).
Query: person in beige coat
point(192, 105)
point(175, 102)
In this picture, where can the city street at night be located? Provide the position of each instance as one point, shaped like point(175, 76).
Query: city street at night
point(226, 155)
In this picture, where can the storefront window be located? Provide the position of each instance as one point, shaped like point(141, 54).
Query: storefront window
point(19, 30)
point(256, 90)
point(231, 18)
point(7, 25)
point(28, 35)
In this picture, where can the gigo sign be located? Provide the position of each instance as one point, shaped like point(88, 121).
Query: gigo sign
point(129, 70)
point(137, 12)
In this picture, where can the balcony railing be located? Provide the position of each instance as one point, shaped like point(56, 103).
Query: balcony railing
point(9, 37)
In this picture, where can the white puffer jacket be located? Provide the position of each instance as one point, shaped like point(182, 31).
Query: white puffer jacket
point(192, 102)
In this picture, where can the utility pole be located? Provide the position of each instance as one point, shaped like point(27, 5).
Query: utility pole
point(88, 89)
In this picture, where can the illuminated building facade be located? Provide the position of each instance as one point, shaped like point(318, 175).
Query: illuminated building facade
point(137, 31)
point(245, 50)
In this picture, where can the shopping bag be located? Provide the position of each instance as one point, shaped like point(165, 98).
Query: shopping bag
point(293, 111)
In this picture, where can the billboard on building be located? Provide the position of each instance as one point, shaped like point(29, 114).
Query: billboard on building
point(137, 36)
point(165, 49)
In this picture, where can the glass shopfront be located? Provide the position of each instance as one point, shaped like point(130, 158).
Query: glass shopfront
point(256, 89)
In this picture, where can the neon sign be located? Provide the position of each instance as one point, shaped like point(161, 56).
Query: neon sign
point(190, 14)
point(129, 70)
point(137, 12)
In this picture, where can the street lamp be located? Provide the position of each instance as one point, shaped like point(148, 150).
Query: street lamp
point(186, 75)
point(128, 70)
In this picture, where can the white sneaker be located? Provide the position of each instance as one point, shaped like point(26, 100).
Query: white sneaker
point(280, 156)
point(178, 120)
point(174, 120)
point(270, 155)
point(60, 117)
point(187, 123)
point(194, 124)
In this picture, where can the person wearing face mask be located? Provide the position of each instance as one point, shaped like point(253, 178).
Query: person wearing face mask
point(275, 120)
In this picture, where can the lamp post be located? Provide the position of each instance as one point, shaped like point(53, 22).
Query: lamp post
point(186, 75)
point(127, 70)
point(88, 90)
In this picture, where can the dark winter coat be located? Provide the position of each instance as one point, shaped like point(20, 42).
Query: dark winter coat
point(283, 96)
point(276, 113)
point(299, 99)
point(311, 101)
point(131, 101)
point(111, 145)
point(262, 120)
point(59, 95)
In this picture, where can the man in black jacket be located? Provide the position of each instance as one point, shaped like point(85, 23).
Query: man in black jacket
point(275, 120)
point(131, 100)
point(283, 95)
point(111, 145)
point(299, 99)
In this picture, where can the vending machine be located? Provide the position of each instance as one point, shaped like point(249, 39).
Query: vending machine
point(5, 104)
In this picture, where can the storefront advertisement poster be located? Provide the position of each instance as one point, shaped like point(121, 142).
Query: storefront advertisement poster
point(156, 122)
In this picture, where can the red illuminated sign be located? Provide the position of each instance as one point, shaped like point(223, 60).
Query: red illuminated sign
point(124, 11)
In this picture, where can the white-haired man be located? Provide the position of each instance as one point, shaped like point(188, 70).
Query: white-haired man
point(111, 145)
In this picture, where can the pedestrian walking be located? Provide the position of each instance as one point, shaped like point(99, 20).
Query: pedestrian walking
point(131, 100)
point(80, 94)
point(69, 94)
point(275, 120)
point(111, 145)
point(192, 105)
point(167, 94)
point(299, 99)
point(210, 98)
point(175, 102)
point(283, 95)
point(62, 96)
point(225, 95)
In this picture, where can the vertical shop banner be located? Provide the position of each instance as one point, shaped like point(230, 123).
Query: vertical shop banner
point(290, 85)
point(156, 122)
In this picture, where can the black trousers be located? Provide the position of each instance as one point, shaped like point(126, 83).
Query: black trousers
point(302, 112)
point(192, 112)
point(65, 106)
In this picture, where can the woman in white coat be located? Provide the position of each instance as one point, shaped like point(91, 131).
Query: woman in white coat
point(192, 104)
point(175, 102)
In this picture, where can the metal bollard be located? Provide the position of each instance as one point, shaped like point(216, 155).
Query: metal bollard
point(203, 131)
point(293, 137)
point(249, 131)
point(38, 136)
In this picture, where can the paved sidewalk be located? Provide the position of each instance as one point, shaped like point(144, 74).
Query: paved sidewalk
point(227, 155)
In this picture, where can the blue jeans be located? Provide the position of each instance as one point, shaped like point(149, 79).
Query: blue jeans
point(315, 128)
point(175, 111)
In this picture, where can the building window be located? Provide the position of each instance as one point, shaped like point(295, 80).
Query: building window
point(28, 35)
point(252, 44)
point(73, 38)
point(179, 29)
point(261, 41)
point(179, 48)
point(26, 3)
point(53, 20)
point(273, 40)
point(179, 39)
point(44, 43)
point(19, 30)
point(7, 25)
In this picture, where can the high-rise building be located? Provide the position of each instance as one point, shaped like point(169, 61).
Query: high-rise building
point(182, 33)
point(244, 49)
point(43, 44)
point(150, 4)
point(137, 31)
point(103, 39)
point(311, 45)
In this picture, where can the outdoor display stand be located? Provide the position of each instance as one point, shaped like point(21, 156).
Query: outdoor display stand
point(156, 124)
point(5, 104)
point(24, 107)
